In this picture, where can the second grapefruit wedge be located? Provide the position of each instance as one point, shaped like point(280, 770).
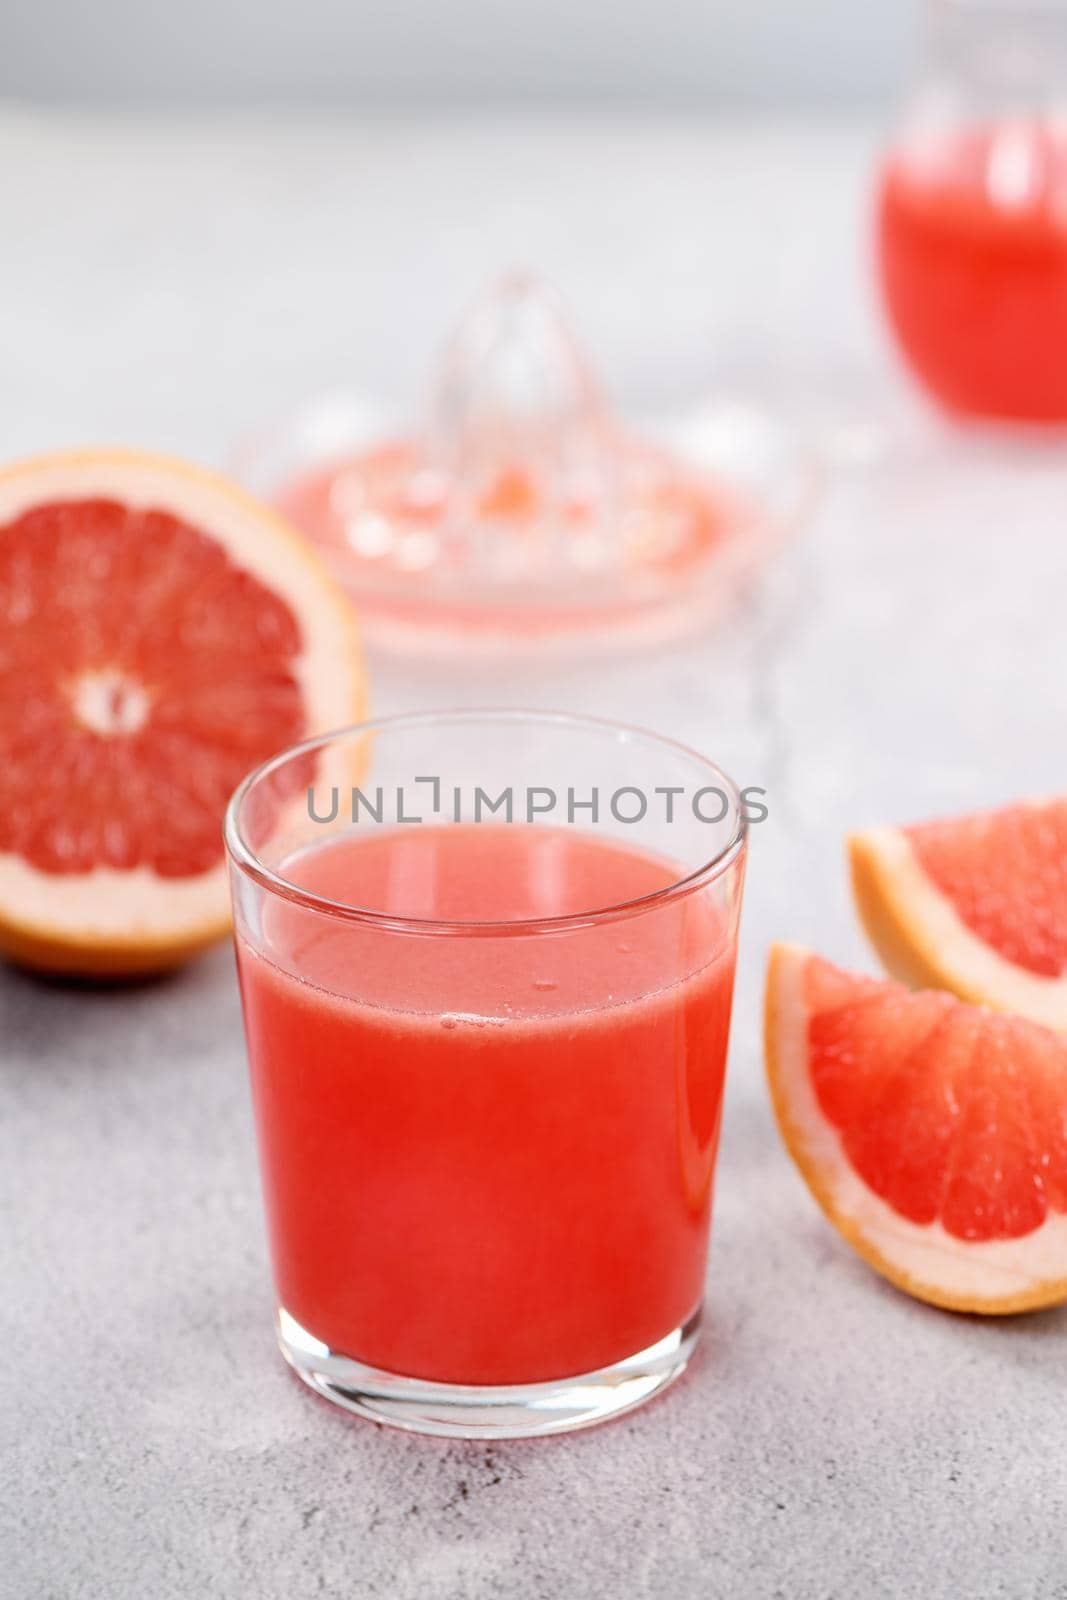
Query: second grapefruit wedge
point(932, 1133)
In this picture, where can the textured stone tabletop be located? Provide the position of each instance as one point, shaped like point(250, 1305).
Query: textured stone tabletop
point(170, 285)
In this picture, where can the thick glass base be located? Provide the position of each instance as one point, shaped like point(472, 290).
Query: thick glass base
point(460, 1411)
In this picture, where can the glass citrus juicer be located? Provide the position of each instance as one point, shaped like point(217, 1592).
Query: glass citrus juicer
point(522, 510)
point(972, 211)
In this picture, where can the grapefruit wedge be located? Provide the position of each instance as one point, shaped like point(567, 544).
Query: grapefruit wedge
point(977, 905)
point(160, 634)
point(932, 1133)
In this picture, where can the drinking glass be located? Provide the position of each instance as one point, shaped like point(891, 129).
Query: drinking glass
point(486, 963)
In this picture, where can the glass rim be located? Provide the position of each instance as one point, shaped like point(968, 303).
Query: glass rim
point(246, 860)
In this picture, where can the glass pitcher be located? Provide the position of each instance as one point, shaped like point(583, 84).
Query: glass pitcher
point(971, 231)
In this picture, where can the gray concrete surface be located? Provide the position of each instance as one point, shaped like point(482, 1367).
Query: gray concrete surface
point(833, 1440)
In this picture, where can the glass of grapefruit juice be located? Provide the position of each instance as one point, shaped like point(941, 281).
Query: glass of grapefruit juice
point(486, 964)
point(972, 212)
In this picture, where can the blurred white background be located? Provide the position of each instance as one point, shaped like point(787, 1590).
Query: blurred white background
point(655, 52)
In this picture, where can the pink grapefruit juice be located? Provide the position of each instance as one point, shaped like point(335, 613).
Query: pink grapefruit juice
point(972, 245)
point(488, 1157)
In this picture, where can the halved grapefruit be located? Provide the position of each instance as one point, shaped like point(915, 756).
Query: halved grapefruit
point(932, 1133)
point(160, 634)
point(977, 905)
